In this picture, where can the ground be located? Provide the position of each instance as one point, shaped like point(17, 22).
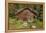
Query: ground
point(17, 24)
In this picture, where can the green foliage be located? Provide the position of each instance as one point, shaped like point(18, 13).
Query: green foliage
point(18, 24)
point(39, 24)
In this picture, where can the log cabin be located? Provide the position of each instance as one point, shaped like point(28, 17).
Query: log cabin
point(26, 14)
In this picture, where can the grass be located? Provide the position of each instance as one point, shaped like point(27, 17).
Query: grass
point(18, 24)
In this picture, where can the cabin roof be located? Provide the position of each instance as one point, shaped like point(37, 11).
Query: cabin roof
point(21, 10)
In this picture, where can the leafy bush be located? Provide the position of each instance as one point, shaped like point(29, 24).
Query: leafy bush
point(39, 24)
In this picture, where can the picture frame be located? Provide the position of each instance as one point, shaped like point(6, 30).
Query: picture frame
point(23, 2)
